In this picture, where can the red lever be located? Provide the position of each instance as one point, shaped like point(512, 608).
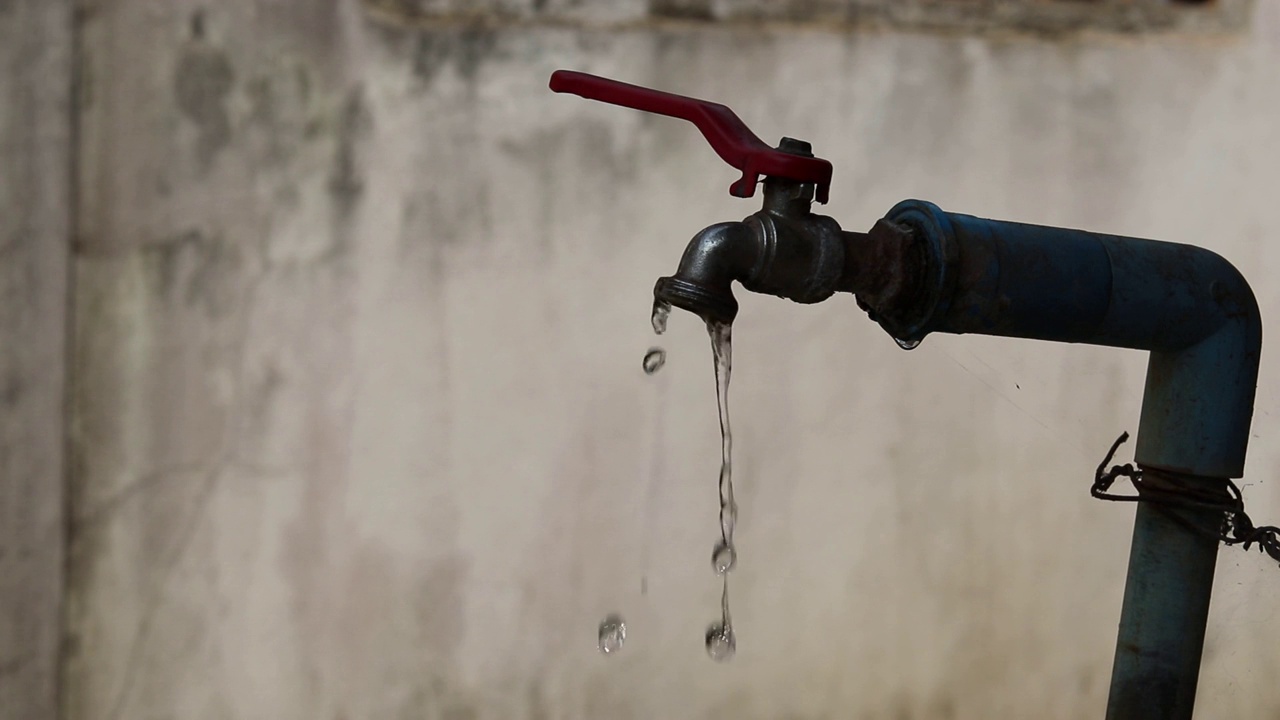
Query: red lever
point(732, 140)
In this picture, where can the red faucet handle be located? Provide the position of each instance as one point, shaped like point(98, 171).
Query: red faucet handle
point(732, 140)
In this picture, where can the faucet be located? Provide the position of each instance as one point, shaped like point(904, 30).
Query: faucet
point(783, 250)
point(921, 270)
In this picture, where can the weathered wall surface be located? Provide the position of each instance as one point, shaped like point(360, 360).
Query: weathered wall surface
point(360, 427)
point(1046, 17)
point(35, 201)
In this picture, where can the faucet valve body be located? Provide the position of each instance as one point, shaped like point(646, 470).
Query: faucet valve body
point(798, 260)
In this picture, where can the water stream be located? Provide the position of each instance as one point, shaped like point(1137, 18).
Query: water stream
point(721, 642)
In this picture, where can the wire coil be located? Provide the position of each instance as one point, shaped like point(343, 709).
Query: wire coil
point(1168, 491)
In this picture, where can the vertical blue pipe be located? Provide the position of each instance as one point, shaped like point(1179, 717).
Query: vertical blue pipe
point(1196, 411)
point(1162, 622)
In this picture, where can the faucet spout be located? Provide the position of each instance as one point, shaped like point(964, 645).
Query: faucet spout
point(714, 258)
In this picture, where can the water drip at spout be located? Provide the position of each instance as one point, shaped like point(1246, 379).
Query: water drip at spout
point(661, 311)
point(907, 344)
point(657, 357)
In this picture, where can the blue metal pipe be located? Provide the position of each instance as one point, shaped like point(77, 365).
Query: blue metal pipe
point(1197, 316)
point(1162, 620)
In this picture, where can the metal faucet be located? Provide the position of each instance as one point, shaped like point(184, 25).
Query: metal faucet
point(783, 250)
point(921, 270)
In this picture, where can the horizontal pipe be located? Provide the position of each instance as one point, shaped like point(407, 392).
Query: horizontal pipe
point(1187, 305)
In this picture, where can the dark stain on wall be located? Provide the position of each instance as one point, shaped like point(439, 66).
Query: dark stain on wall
point(194, 269)
point(285, 113)
point(682, 9)
point(12, 392)
point(440, 605)
point(197, 24)
point(201, 83)
point(466, 50)
point(346, 183)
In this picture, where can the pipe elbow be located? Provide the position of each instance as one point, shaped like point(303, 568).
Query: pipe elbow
point(1188, 306)
point(1197, 407)
point(1233, 295)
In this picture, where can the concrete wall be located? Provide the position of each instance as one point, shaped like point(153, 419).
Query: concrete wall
point(35, 204)
point(360, 429)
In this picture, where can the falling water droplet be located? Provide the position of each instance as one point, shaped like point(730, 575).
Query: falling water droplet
point(613, 632)
point(661, 311)
point(721, 644)
point(907, 344)
point(654, 360)
point(723, 558)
